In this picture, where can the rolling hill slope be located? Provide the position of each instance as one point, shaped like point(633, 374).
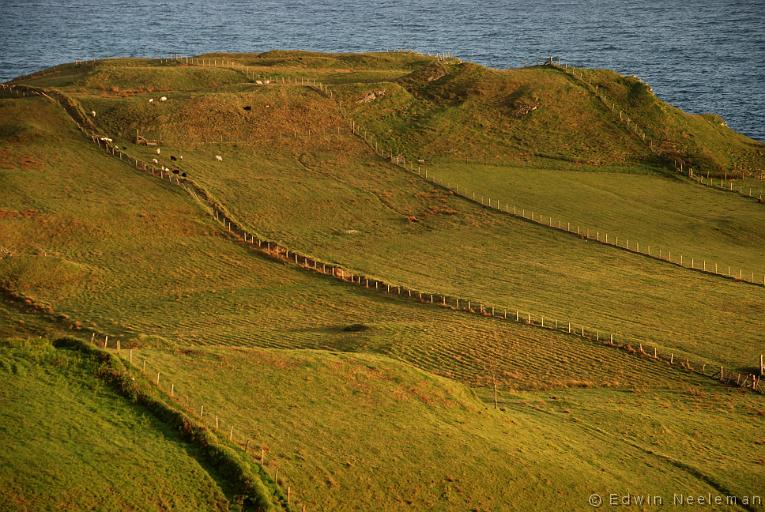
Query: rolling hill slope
point(361, 399)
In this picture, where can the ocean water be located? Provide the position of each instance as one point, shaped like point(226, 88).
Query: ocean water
point(701, 55)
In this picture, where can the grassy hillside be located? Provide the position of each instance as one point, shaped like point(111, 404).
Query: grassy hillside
point(71, 443)
point(350, 431)
point(702, 141)
point(358, 399)
point(123, 253)
point(278, 174)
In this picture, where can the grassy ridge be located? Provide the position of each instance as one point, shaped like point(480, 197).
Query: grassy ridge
point(702, 141)
point(71, 443)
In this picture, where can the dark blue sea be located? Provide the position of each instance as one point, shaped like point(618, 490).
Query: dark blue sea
point(702, 55)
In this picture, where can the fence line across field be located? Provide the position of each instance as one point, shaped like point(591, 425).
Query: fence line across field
point(310, 263)
point(235, 435)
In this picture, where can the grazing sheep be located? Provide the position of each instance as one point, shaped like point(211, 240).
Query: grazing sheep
point(219, 158)
point(163, 98)
point(158, 151)
point(93, 113)
point(151, 100)
point(154, 160)
point(180, 157)
point(173, 158)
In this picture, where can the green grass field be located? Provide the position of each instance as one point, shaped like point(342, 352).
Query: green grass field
point(707, 225)
point(361, 400)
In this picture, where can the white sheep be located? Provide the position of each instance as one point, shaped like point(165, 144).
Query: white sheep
point(219, 158)
point(151, 100)
point(158, 151)
point(93, 113)
point(154, 160)
point(258, 82)
point(163, 98)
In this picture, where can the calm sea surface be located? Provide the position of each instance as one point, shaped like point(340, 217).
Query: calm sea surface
point(702, 55)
